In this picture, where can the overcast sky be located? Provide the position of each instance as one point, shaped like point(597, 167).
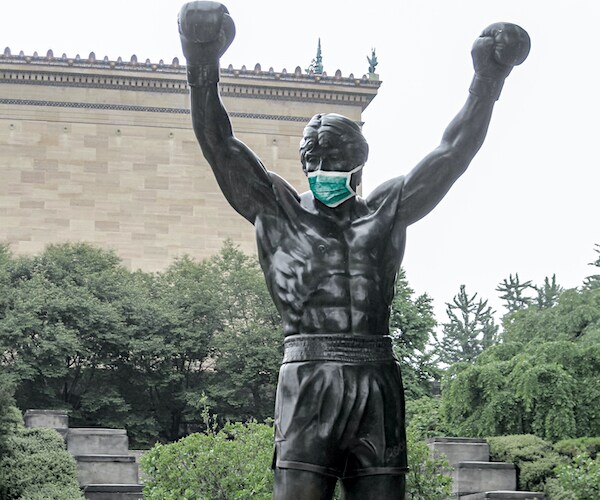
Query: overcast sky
point(529, 202)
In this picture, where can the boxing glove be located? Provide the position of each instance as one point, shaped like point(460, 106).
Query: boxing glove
point(500, 47)
point(206, 31)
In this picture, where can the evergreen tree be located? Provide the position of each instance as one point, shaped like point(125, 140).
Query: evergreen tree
point(412, 324)
point(542, 378)
point(548, 293)
point(471, 329)
point(593, 281)
point(512, 291)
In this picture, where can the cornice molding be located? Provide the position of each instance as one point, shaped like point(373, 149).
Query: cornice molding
point(177, 69)
point(147, 109)
point(162, 78)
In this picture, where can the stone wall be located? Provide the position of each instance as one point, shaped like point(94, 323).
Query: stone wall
point(104, 152)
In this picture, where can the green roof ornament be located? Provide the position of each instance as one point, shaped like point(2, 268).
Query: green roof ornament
point(372, 62)
point(316, 65)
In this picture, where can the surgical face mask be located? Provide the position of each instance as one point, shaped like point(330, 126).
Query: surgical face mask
point(332, 187)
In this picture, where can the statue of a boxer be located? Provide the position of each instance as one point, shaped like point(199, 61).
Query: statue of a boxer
point(330, 260)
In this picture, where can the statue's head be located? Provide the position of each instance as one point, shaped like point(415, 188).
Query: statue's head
point(332, 152)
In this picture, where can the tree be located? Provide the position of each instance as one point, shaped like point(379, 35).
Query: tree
point(512, 291)
point(541, 379)
point(61, 326)
point(247, 351)
point(593, 281)
point(548, 293)
point(471, 329)
point(412, 324)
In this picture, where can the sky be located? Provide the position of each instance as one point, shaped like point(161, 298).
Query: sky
point(528, 204)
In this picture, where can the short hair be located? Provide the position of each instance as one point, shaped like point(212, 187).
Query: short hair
point(347, 133)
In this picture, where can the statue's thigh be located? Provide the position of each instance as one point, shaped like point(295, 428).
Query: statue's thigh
point(293, 484)
point(376, 487)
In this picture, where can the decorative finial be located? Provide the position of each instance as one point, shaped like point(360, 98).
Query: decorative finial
point(372, 62)
point(316, 65)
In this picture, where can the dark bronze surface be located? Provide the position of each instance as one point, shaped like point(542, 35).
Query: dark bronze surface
point(331, 268)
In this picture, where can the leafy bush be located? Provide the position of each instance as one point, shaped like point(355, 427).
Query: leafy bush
point(235, 462)
point(231, 463)
point(36, 465)
point(589, 446)
point(424, 416)
point(10, 416)
point(424, 480)
point(534, 457)
point(51, 492)
point(579, 480)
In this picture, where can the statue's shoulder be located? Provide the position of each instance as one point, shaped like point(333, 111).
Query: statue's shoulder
point(284, 191)
point(389, 192)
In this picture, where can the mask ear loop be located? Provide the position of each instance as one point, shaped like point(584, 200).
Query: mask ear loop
point(349, 178)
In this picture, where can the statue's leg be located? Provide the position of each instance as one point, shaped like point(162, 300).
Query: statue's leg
point(292, 484)
point(376, 487)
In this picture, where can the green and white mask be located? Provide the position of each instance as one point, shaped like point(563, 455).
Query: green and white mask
point(332, 187)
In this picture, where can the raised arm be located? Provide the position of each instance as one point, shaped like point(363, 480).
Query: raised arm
point(206, 30)
point(500, 47)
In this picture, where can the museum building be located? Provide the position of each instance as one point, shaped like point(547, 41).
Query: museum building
point(103, 151)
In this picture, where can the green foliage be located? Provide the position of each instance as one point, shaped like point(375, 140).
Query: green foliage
point(424, 417)
point(248, 349)
point(37, 464)
point(477, 400)
point(412, 324)
point(593, 281)
point(62, 324)
point(52, 492)
point(548, 293)
point(425, 480)
point(471, 329)
point(589, 446)
point(534, 457)
point(236, 463)
point(512, 293)
point(10, 417)
point(541, 379)
point(78, 331)
point(578, 480)
point(228, 464)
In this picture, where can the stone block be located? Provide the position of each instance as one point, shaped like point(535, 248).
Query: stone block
point(106, 469)
point(52, 419)
point(113, 491)
point(477, 477)
point(504, 495)
point(96, 441)
point(460, 449)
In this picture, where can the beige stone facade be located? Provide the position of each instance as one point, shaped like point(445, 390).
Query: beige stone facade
point(104, 152)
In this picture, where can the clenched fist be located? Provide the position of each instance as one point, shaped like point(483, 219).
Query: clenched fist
point(500, 47)
point(206, 30)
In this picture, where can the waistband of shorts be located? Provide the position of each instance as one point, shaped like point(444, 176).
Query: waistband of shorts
point(338, 347)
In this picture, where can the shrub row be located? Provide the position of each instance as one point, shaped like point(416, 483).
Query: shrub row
point(36, 466)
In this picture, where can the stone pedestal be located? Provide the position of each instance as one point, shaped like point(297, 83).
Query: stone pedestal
point(460, 449)
point(96, 441)
point(477, 477)
point(52, 419)
point(474, 477)
point(106, 469)
point(113, 492)
point(505, 495)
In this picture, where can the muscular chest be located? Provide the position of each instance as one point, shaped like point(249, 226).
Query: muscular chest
point(314, 254)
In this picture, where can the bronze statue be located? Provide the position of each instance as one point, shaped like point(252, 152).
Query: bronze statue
point(372, 62)
point(330, 260)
